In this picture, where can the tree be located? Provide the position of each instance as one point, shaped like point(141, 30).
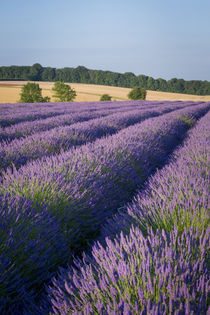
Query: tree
point(63, 92)
point(48, 74)
point(35, 72)
point(129, 79)
point(83, 74)
point(137, 93)
point(105, 97)
point(32, 93)
point(151, 84)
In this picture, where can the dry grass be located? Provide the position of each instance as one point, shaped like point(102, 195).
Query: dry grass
point(163, 96)
point(10, 92)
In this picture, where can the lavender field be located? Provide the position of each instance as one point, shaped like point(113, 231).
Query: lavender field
point(104, 208)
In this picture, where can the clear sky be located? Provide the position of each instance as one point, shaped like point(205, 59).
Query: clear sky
point(158, 38)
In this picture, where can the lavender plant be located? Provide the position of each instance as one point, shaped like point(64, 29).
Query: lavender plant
point(54, 206)
point(15, 113)
point(85, 186)
point(26, 128)
point(177, 195)
point(160, 266)
point(28, 253)
point(18, 152)
point(157, 274)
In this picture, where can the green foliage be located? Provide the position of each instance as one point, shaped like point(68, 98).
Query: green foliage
point(189, 120)
point(63, 92)
point(84, 75)
point(137, 93)
point(35, 72)
point(32, 93)
point(105, 97)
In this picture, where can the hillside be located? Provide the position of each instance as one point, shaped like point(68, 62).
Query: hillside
point(10, 92)
point(100, 77)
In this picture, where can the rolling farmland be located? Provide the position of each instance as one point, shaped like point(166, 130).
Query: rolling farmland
point(104, 205)
point(10, 93)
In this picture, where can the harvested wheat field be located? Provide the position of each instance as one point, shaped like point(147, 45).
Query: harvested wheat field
point(163, 96)
point(10, 92)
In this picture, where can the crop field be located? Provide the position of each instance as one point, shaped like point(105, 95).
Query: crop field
point(10, 93)
point(104, 206)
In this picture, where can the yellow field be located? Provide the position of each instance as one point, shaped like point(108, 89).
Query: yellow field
point(10, 92)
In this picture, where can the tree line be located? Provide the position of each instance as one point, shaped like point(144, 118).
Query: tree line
point(84, 75)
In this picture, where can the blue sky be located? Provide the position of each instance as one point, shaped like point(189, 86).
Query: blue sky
point(158, 38)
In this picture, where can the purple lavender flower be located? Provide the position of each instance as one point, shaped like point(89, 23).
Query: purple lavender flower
point(63, 138)
point(52, 208)
point(146, 287)
point(163, 272)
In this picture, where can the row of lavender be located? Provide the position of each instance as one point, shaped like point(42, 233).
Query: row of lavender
point(25, 128)
point(11, 114)
point(159, 263)
point(20, 151)
point(15, 113)
point(64, 200)
point(31, 110)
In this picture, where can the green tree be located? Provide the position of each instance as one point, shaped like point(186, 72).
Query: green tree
point(84, 75)
point(48, 74)
point(35, 72)
point(137, 93)
point(32, 93)
point(105, 97)
point(63, 92)
point(151, 84)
